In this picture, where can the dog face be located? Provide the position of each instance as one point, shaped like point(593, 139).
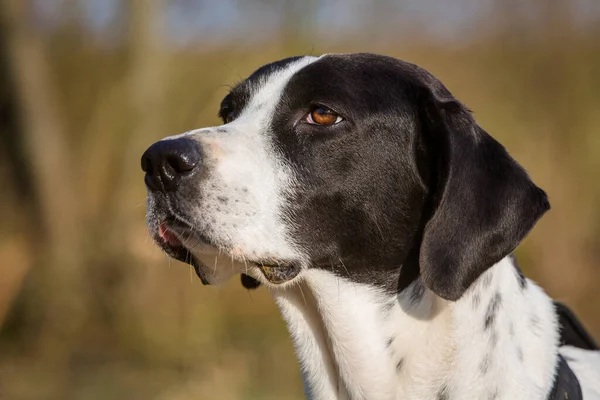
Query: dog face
point(360, 164)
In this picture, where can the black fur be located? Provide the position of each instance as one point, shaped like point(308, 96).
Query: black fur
point(485, 364)
point(406, 186)
point(572, 332)
point(408, 171)
point(492, 309)
point(520, 275)
point(443, 393)
point(566, 386)
point(399, 365)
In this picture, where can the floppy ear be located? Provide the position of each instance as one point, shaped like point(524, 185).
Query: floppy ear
point(482, 202)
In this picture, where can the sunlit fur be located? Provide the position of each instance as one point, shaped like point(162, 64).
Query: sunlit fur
point(356, 340)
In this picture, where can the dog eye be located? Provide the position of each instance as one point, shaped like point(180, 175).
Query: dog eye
point(230, 116)
point(323, 116)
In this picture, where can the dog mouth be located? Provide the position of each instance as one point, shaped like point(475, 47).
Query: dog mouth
point(168, 236)
point(170, 241)
point(180, 247)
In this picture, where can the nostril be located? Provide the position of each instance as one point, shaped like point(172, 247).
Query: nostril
point(182, 163)
point(146, 164)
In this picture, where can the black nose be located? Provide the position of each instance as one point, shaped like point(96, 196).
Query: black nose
point(167, 161)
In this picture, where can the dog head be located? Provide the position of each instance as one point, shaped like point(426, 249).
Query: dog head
point(360, 164)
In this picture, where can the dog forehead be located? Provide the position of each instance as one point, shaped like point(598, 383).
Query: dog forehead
point(358, 84)
point(263, 88)
point(343, 74)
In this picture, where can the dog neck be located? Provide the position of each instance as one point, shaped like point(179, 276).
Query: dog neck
point(355, 341)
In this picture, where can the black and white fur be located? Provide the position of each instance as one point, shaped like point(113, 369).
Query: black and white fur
point(395, 227)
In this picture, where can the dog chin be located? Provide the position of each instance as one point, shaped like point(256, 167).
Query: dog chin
point(219, 268)
point(214, 266)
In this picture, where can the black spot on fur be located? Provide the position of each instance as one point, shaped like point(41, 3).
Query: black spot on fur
point(535, 325)
point(222, 199)
point(487, 280)
point(493, 339)
point(493, 395)
point(484, 367)
point(390, 341)
point(388, 306)
point(520, 275)
point(221, 130)
point(399, 364)
point(492, 310)
point(476, 299)
point(520, 353)
point(443, 393)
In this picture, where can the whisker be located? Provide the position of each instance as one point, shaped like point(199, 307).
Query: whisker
point(378, 228)
point(302, 293)
point(345, 269)
point(338, 277)
point(347, 272)
point(190, 232)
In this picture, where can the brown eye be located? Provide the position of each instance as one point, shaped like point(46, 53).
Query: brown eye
point(230, 116)
point(323, 116)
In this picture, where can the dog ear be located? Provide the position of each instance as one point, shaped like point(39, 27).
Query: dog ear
point(482, 202)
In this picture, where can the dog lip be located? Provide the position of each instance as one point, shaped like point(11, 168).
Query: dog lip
point(171, 244)
point(168, 235)
point(177, 232)
point(279, 273)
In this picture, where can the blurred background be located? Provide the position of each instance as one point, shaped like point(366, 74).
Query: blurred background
point(91, 309)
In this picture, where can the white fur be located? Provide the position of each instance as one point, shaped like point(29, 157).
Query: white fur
point(337, 331)
point(340, 330)
point(245, 170)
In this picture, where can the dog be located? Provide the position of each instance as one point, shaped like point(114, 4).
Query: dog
point(382, 219)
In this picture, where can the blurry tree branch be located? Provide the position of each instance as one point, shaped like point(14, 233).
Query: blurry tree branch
point(147, 78)
point(48, 152)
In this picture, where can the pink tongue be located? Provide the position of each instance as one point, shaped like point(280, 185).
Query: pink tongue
point(168, 236)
